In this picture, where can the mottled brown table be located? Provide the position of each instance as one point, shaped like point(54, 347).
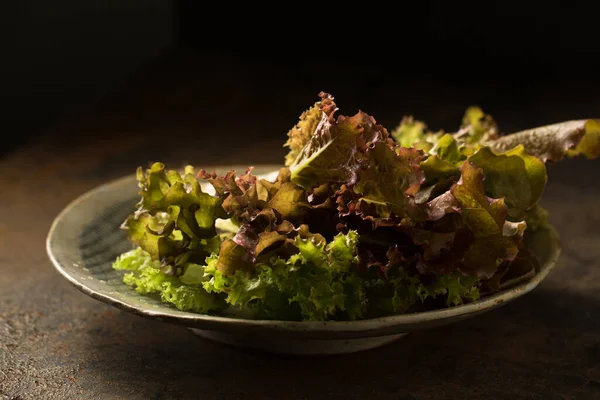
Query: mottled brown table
point(57, 343)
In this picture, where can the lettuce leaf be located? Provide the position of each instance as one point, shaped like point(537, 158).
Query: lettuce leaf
point(318, 283)
point(514, 175)
point(302, 132)
point(414, 133)
point(549, 143)
point(455, 287)
point(315, 283)
point(270, 215)
point(477, 127)
point(494, 239)
point(175, 220)
point(336, 149)
point(146, 276)
point(388, 181)
point(359, 223)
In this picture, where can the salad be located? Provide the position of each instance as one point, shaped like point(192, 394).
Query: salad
point(361, 222)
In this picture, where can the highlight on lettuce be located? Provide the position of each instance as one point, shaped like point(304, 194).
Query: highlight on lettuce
point(361, 222)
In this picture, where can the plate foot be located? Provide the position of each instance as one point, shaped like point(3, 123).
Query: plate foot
point(298, 346)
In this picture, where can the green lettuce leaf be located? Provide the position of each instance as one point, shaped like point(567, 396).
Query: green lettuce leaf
point(146, 276)
point(514, 175)
point(403, 293)
point(411, 132)
point(447, 149)
point(175, 219)
point(441, 168)
point(315, 283)
point(454, 287)
point(477, 127)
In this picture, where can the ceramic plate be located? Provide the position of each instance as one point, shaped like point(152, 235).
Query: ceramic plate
point(85, 239)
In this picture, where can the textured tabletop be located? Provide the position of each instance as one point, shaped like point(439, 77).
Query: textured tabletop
point(56, 342)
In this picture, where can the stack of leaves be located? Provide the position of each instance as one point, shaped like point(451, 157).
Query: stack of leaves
point(360, 222)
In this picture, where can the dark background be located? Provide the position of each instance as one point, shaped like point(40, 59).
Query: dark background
point(214, 66)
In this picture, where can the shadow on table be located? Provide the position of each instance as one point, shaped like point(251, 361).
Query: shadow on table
point(546, 344)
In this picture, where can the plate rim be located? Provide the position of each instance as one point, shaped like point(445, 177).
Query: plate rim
point(362, 328)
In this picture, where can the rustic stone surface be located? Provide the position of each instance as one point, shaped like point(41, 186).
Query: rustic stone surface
point(56, 343)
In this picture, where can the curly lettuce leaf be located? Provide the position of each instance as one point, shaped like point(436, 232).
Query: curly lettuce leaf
point(302, 132)
point(317, 282)
point(398, 294)
point(181, 196)
point(358, 155)
point(336, 149)
point(414, 133)
point(246, 196)
point(389, 180)
point(477, 127)
point(465, 230)
point(320, 283)
point(240, 195)
point(404, 293)
point(175, 219)
point(441, 168)
point(454, 287)
point(269, 215)
point(146, 276)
